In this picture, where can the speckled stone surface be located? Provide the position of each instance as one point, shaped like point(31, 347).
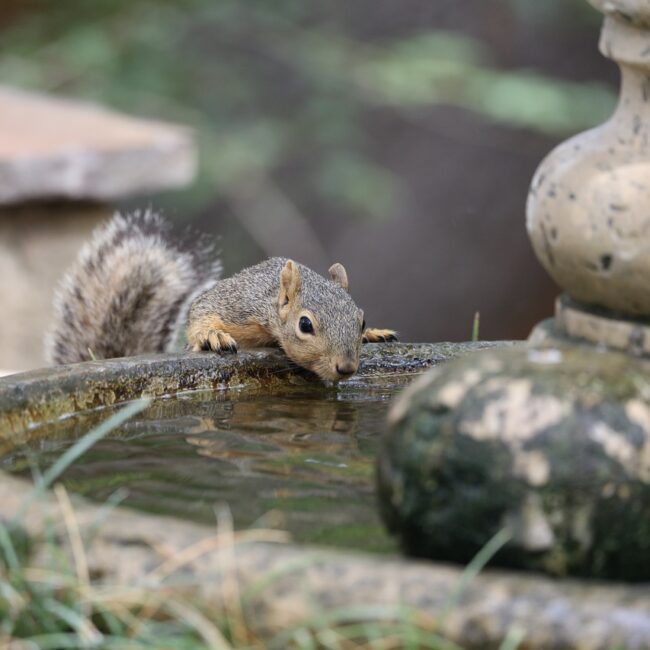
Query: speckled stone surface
point(551, 442)
point(587, 210)
point(629, 11)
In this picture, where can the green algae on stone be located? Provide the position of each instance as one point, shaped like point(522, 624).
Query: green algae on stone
point(28, 400)
point(552, 443)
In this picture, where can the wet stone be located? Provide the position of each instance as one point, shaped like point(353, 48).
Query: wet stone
point(551, 443)
point(275, 443)
point(31, 399)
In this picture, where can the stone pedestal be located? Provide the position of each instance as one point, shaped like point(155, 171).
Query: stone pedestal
point(587, 213)
point(550, 443)
point(37, 244)
point(61, 164)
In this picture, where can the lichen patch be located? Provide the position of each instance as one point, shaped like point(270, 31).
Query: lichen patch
point(529, 526)
point(453, 393)
point(614, 443)
point(516, 414)
point(639, 413)
point(532, 466)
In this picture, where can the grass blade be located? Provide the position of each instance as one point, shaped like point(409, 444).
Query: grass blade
point(475, 326)
point(80, 448)
point(476, 566)
point(85, 630)
point(514, 639)
point(8, 549)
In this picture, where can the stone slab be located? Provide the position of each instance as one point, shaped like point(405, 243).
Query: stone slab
point(51, 147)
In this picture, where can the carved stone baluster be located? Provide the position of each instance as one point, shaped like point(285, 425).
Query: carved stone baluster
point(589, 203)
point(551, 440)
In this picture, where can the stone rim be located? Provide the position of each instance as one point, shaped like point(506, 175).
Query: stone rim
point(629, 11)
point(31, 398)
point(599, 326)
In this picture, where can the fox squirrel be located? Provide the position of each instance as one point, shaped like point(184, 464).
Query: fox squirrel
point(133, 288)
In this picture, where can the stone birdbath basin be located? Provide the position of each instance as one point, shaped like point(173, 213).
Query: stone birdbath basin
point(287, 453)
point(308, 466)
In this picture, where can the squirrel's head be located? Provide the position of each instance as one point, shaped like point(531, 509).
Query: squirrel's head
point(321, 326)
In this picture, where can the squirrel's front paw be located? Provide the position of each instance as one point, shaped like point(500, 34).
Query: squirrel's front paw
point(217, 341)
point(373, 335)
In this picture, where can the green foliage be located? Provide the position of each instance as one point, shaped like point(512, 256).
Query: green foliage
point(266, 84)
point(406, 75)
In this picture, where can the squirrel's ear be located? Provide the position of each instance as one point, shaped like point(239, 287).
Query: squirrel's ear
point(339, 275)
point(289, 286)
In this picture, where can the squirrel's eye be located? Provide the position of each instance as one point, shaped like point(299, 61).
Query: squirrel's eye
point(305, 325)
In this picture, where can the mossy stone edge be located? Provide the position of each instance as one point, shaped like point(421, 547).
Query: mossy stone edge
point(32, 398)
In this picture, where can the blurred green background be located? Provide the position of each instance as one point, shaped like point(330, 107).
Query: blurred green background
point(396, 137)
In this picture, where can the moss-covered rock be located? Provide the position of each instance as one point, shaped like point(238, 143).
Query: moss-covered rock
point(551, 442)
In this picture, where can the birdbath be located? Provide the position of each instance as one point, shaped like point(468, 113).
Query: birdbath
point(63, 164)
point(551, 442)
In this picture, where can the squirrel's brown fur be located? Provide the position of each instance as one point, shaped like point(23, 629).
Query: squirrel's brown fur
point(263, 304)
point(132, 288)
point(128, 292)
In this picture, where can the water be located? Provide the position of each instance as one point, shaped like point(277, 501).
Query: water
point(300, 460)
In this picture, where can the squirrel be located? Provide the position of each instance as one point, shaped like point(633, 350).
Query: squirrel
point(134, 288)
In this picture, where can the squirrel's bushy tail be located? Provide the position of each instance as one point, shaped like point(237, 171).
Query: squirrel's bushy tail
point(128, 292)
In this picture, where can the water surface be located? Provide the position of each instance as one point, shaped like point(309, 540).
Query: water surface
point(300, 459)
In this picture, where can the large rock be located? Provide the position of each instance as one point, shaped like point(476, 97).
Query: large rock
point(551, 443)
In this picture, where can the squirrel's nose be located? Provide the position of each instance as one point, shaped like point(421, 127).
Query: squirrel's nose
point(346, 368)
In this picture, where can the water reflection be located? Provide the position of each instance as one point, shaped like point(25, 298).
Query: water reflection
point(301, 460)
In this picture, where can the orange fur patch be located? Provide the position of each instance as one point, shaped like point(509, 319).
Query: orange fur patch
point(249, 335)
point(374, 335)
